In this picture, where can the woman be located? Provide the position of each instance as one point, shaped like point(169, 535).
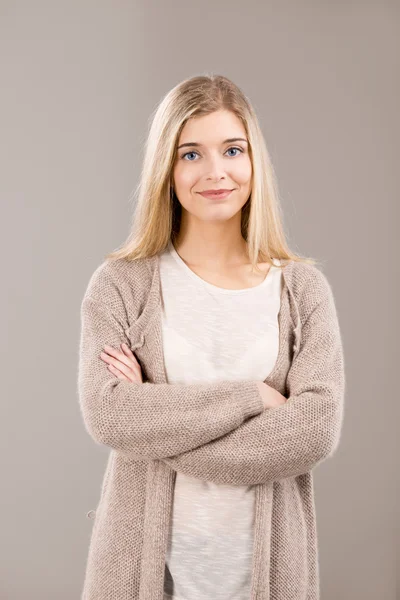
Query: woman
point(211, 365)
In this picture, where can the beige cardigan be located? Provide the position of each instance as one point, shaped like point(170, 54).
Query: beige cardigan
point(218, 432)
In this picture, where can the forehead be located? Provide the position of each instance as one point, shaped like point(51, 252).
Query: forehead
point(214, 128)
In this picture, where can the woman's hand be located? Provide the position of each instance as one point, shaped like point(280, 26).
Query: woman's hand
point(122, 363)
point(270, 396)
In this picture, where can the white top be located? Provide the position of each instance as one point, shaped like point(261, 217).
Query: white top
point(213, 334)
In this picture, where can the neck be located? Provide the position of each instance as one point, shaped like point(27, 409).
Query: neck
point(213, 246)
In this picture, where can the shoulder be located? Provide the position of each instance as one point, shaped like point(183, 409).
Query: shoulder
point(305, 278)
point(310, 278)
point(310, 287)
point(113, 280)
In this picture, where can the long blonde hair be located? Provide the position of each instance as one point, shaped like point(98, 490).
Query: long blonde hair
point(157, 211)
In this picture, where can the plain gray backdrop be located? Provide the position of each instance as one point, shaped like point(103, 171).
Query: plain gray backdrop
point(79, 81)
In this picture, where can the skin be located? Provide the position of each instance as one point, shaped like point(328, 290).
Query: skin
point(209, 240)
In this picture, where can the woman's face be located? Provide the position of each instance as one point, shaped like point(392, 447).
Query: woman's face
point(211, 162)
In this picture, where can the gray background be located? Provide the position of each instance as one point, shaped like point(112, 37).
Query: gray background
point(78, 83)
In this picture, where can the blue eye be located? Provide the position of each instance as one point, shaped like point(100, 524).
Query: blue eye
point(235, 148)
point(231, 148)
point(183, 155)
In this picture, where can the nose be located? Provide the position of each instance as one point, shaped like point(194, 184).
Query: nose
point(215, 167)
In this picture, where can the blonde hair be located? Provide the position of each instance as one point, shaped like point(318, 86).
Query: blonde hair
point(157, 213)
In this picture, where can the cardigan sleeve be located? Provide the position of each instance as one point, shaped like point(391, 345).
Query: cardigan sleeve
point(293, 438)
point(148, 420)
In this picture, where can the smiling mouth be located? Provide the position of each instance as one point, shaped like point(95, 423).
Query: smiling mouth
point(216, 193)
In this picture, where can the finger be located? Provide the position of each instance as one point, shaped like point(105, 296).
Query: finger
point(118, 354)
point(125, 348)
point(117, 372)
point(128, 352)
point(132, 377)
point(133, 374)
point(121, 366)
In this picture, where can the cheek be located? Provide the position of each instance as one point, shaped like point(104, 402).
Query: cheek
point(243, 172)
point(184, 178)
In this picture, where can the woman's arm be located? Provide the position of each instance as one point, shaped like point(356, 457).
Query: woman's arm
point(146, 420)
point(293, 438)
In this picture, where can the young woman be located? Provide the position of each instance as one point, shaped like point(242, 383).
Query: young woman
point(211, 365)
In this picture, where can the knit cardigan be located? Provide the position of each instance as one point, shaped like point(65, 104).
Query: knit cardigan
point(218, 432)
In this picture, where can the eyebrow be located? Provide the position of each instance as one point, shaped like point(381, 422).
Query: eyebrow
point(235, 139)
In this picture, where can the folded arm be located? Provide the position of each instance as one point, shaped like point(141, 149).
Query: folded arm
point(147, 420)
point(293, 438)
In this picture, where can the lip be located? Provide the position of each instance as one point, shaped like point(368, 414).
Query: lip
point(216, 193)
